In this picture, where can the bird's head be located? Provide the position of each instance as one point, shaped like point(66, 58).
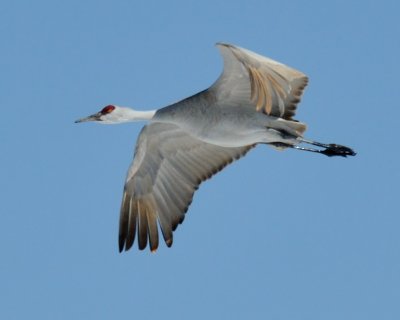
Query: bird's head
point(109, 114)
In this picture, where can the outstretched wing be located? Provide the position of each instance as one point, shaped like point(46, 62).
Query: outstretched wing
point(168, 167)
point(251, 80)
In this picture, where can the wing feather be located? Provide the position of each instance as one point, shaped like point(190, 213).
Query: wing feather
point(132, 225)
point(251, 80)
point(168, 167)
point(152, 225)
point(143, 225)
point(124, 222)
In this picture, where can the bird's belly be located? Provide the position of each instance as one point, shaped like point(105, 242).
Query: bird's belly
point(232, 139)
point(232, 135)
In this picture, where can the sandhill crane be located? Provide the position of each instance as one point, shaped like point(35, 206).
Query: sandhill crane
point(253, 101)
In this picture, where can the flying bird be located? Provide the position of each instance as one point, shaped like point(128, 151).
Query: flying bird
point(252, 102)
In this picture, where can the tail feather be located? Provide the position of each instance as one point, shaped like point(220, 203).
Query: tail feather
point(293, 128)
point(298, 127)
point(290, 130)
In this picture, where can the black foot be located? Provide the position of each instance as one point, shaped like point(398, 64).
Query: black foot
point(337, 150)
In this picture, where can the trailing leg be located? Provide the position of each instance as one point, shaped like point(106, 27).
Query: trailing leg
point(331, 149)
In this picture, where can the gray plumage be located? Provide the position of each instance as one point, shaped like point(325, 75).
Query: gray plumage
point(253, 101)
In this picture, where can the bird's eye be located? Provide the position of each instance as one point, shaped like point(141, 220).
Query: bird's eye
point(107, 109)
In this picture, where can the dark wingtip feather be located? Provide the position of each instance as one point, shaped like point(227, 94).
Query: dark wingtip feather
point(142, 230)
point(121, 246)
point(132, 221)
point(123, 222)
point(168, 242)
point(152, 229)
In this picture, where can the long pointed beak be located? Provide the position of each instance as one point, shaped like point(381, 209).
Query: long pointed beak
point(93, 117)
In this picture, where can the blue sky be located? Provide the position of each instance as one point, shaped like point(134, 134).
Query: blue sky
point(278, 235)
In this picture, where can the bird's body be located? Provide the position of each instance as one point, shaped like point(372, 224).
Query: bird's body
point(252, 102)
point(225, 126)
